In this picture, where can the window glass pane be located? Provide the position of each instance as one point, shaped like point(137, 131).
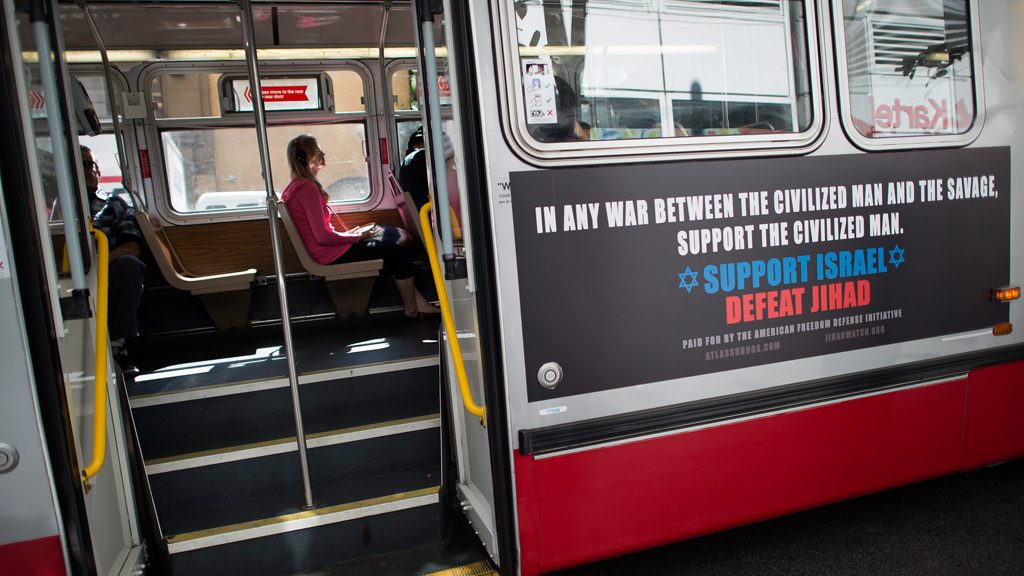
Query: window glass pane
point(909, 66)
point(618, 69)
point(405, 130)
point(220, 169)
point(405, 90)
point(186, 96)
point(348, 91)
point(104, 150)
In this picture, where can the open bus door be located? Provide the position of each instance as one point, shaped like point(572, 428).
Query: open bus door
point(69, 502)
point(462, 245)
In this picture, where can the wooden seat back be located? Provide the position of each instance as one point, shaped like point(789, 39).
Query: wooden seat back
point(178, 277)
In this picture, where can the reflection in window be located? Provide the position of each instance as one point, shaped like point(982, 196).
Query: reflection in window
point(620, 69)
point(220, 168)
point(909, 67)
point(185, 96)
point(405, 90)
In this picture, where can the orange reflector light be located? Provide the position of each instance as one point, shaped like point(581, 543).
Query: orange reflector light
point(1002, 329)
point(1006, 294)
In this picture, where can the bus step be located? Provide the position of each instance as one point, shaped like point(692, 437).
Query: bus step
point(192, 421)
point(271, 536)
point(197, 484)
point(201, 363)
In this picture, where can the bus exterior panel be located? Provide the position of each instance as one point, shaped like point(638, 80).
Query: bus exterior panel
point(603, 466)
point(584, 506)
point(994, 429)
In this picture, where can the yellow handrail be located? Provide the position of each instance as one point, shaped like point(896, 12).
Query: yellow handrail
point(99, 404)
point(449, 322)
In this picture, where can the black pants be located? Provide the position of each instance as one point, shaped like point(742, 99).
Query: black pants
point(398, 258)
point(123, 296)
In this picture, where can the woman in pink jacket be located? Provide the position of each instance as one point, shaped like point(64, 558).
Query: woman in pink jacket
point(307, 203)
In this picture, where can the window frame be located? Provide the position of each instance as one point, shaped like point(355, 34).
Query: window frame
point(869, 144)
point(395, 116)
point(154, 127)
point(510, 92)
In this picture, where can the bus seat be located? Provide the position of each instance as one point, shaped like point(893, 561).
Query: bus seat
point(226, 297)
point(348, 284)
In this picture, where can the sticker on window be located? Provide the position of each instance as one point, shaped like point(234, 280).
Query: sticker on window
point(539, 88)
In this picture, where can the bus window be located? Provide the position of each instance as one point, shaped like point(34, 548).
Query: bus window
point(630, 69)
point(185, 96)
point(405, 99)
point(348, 91)
point(224, 164)
point(405, 90)
point(908, 68)
point(210, 154)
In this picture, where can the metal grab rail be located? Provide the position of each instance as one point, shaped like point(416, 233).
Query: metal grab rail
point(449, 321)
point(99, 403)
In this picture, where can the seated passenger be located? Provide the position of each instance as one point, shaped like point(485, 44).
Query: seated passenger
point(413, 174)
point(307, 204)
point(116, 220)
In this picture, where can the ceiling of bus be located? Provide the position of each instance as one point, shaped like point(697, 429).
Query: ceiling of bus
point(178, 26)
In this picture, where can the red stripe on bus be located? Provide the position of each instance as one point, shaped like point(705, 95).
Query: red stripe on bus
point(529, 546)
point(606, 502)
point(110, 179)
point(995, 428)
point(41, 557)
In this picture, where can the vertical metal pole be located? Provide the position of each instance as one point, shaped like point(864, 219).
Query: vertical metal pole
point(60, 153)
point(245, 7)
point(388, 99)
point(436, 138)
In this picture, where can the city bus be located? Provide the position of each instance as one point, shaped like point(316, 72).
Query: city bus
point(701, 263)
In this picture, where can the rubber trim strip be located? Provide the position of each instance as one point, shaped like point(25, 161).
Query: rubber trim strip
point(562, 437)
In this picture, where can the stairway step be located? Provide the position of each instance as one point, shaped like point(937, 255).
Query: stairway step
point(237, 452)
point(178, 490)
point(271, 382)
point(273, 536)
point(329, 402)
point(174, 364)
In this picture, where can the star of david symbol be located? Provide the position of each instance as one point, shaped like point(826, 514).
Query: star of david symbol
point(692, 283)
point(896, 256)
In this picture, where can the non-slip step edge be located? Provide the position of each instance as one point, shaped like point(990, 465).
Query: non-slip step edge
point(301, 520)
point(481, 568)
point(199, 393)
point(284, 445)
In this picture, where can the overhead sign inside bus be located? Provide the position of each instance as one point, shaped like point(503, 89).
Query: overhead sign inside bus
point(638, 274)
point(279, 94)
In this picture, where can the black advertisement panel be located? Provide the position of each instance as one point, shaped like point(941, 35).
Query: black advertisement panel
point(643, 273)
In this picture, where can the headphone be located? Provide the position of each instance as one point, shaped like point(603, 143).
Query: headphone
point(300, 155)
